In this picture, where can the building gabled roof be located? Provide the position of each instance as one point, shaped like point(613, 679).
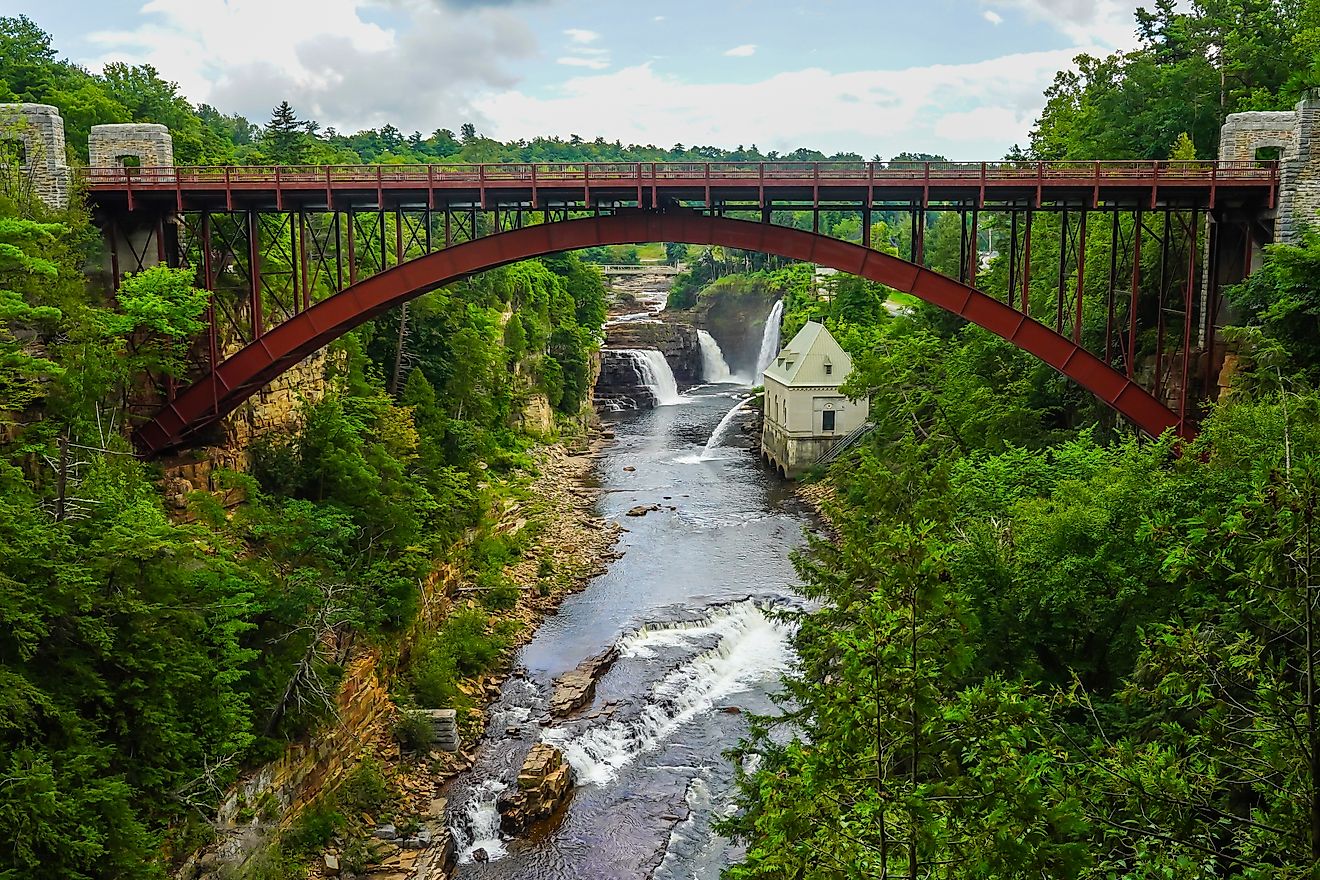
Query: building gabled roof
point(802, 362)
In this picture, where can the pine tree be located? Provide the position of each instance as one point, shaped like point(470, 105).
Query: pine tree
point(284, 140)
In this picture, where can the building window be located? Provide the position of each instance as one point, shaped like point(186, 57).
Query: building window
point(827, 420)
point(829, 369)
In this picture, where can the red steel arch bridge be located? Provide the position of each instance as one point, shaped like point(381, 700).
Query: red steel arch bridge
point(297, 256)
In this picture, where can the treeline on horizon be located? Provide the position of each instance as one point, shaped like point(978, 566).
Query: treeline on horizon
point(1190, 71)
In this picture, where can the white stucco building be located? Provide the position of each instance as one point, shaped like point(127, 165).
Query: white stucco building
point(804, 411)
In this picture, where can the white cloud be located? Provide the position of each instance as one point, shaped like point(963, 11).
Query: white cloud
point(1108, 24)
point(578, 61)
point(578, 35)
point(743, 51)
point(658, 18)
point(993, 17)
point(970, 111)
point(327, 58)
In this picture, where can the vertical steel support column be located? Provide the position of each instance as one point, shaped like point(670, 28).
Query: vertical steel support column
point(114, 255)
point(295, 264)
point(1189, 305)
point(339, 252)
point(921, 236)
point(866, 225)
point(352, 247)
point(380, 233)
point(429, 218)
point(160, 239)
point(1114, 237)
point(974, 243)
point(962, 245)
point(1164, 282)
point(254, 271)
point(1081, 277)
point(303, 257)
point(1012, 256)
point(1026, 265)
point(1063, 275)
point(1131, 356)
point(213, 333)
point(398, 237)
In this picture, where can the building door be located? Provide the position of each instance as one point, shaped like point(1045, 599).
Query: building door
point(827, 420)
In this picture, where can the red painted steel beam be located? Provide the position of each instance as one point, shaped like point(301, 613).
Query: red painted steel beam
point(253, 366)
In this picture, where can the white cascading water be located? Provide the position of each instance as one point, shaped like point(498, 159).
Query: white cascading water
point(769, 340)
point(722, 429)
point(478, 827)
point(656, 375)
point(750, 648)
point(714, 368)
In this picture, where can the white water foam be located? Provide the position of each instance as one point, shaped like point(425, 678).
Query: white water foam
point(714, 368)
point(769, 340)
point(478, 825)
point(655, 374)
point(722, 429)
point(749, 648)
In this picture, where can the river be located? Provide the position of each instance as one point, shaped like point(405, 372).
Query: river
point(686, 605)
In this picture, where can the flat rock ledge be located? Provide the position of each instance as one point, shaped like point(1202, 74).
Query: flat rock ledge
point(545, 783)
point(577, 688)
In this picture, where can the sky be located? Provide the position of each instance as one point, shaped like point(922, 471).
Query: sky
point(961, 78)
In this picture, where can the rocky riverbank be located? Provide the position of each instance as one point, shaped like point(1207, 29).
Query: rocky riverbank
point(576, 544)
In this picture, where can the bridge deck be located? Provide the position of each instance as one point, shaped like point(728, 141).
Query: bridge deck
point(761, 185)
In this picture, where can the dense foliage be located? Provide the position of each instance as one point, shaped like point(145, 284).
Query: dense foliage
point(1045, 648)
point(148, 658)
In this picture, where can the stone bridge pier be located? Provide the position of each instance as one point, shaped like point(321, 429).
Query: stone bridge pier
point(1289, 137)
point(32, 144)
point(34, 155)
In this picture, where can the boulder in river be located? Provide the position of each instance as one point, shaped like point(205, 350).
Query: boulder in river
point(545, 783)
point(576, 688)
point(642, 509)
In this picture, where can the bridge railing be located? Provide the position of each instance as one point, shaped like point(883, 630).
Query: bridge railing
point(587, 174)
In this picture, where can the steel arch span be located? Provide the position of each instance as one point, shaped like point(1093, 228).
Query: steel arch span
point(219, 392)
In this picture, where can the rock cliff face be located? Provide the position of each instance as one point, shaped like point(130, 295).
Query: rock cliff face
point(676, 340)
point(545, 783)
point(621, 384)
point(734, 313)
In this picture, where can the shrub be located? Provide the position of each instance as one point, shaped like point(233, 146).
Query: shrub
point(365, 789)
point(465, 646)
point(499, 593)
point(413, 731)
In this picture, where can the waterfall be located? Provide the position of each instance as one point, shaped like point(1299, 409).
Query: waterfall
point(478, 825)
point(750, 646)
point(726, 423)
point(655, 374)
point(714, 368)
point(769, 340)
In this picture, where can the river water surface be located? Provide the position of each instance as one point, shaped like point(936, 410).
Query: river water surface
point(687, 607)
